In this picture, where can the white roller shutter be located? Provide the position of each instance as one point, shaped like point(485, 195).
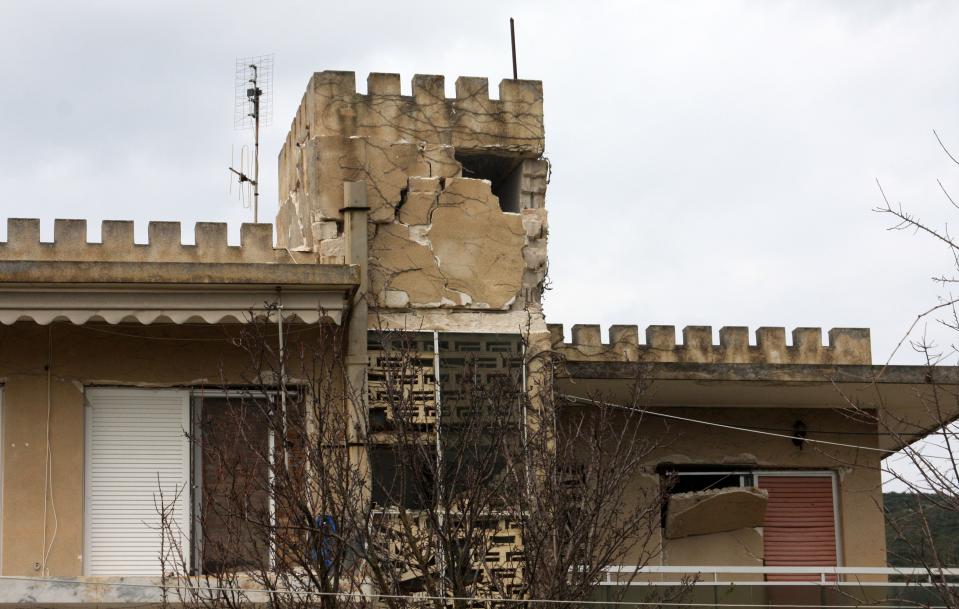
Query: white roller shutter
point(135, 446)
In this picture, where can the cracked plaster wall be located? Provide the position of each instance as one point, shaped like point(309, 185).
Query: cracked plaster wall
point(437, 240)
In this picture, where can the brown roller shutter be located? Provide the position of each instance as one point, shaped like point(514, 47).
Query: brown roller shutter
point(800, 525)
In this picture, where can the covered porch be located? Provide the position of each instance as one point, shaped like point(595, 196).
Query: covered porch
point(103, 364)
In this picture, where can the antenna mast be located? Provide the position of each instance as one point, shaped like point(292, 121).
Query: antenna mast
point(512, 43)
point(254, 108)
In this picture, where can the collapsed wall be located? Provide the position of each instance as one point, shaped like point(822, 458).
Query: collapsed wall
point(455, 189)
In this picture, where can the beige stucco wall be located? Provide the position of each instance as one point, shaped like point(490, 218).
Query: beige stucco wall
point(158, 355)
point(742, 547)
point(860, 522)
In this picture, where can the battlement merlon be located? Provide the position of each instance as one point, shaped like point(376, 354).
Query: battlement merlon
point(469, 122)
point(846, 346)
point(164, 243)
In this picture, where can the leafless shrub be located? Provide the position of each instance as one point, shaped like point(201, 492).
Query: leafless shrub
point(459, 482)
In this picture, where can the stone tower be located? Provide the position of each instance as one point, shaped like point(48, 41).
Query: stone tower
point(455, 188)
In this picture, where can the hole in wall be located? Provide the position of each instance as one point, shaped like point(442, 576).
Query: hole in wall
point(504, 173)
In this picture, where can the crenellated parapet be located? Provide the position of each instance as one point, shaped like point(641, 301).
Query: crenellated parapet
point(164, 243)
point(472, 120)
point(845, 346)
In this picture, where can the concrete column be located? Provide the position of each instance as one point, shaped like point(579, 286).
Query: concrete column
point(355, 212)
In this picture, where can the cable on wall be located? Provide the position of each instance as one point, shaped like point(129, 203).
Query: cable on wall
point(48, 464)
point(574, 399)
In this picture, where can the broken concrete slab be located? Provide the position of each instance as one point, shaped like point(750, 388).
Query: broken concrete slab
point(715, 511)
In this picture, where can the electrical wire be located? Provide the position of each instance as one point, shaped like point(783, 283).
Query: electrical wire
point(887, 451)
point(48, 465)
point(575, 399)
point(478, 599)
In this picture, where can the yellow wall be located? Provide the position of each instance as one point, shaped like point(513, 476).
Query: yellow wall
point(198, 356)
point(861, 523)
point(190, 356)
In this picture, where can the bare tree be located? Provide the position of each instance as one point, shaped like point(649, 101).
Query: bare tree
point(464, 482)
point(931, 472)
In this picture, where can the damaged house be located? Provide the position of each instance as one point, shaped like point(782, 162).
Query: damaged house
point(411, 213)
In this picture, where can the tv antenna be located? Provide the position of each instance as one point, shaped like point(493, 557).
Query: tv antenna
point(253, 108)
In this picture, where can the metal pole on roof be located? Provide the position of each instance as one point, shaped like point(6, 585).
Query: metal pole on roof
point(512, 40)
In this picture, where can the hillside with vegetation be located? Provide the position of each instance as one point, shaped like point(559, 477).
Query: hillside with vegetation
point(905, 541)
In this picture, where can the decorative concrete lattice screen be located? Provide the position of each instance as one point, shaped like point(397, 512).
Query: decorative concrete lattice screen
point(499, 562)
point(403, 363)
point(406, 364)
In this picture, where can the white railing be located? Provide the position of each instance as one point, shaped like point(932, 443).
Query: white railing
point(721, 575)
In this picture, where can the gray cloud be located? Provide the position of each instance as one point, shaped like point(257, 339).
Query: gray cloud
point(714, 163)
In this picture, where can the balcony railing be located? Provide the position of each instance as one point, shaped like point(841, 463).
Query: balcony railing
point(814, 576)
point(778, 587)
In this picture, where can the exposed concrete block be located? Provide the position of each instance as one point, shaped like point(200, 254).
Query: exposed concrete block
point(117, 235)
point(332, 83)
point(23, 232)
point(325, 230)
point(534, 222)
point(256, 239)
point(715, 511)
point(697, 343)
point(536, 168)
point(333, 247)
point(534, 278)
point(624, 335)
point(735, 343)
point(534, 254)
point(772, 344)
point(624, 341)
point(164, 235)
point(523, 91)
point(587, 335)
point(70, 234)
point(472, 87)
point(807, 345)
point(661, 338)
point(378, 83)
point(210, 236)
point(429, 88)
point(851, 345)
point(555, 333)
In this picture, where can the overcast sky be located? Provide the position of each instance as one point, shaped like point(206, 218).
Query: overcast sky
point(714, 163)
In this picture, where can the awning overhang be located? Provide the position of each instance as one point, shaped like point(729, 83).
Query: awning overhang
point(119, 292)
point(911, 401)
